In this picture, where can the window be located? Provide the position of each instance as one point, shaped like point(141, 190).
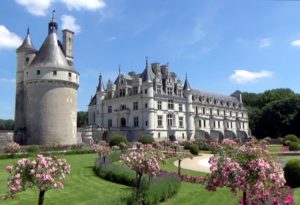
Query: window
point(180, 107)
point(196, 110)
point(136, 121)
point(27, 74)
point(170, 104)
point(109, 95)
point(27, 60)
point(38, 72)
point(135, 90)
point(214, 124)
point(170, 120)
point(123, 107)
point(224, 113)
point(203, 111)
point(204, 123)
point(109, 109)
point(70, 74)
point(54, 72)
point(122, 92)
point(170, 91)
point(158, 135)
point(200, 123)
point(179, 93)
point(182, 135)
point(146, 123)
point(146, 105)
point(109, 123)
point(158, 88)
point(135, 105)
point(146, 91)
point(159, 120)
point(218, 112)
point(219, 125)
point(159, 105)
point(180, 121)
point(230, 114)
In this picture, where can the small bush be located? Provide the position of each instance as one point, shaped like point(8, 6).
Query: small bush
point(292, 173)
point(160, 189)
point(12, 147)
point(294, 146)
point(33, 149)
point(146, 139)
point(204, 146)
point(292, 138)
point(287, 143)
point(194, 149)
point(114, 156)
point(116, 140)
point(186, 145)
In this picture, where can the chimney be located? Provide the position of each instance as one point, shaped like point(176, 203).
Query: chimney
point(68, 45)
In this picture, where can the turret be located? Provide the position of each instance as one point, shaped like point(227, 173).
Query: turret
point(148, 94)
point(25, 53)
point(187, 91)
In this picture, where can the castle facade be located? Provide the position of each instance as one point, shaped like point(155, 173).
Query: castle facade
point(156, 102)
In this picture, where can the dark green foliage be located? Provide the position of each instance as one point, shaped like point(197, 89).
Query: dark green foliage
point(194, 149)
point(291, 138)
point(82, 119)
point(172, 138)
point(273, 113)
point(116, 140)
point(160, 189)
point(186, 145)
point(292, 173)
point(33, 149)
point(7, 124)
point(116, 173)
point(146, 139)
point(294, 146)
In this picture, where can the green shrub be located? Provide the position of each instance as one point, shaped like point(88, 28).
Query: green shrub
point(33, 149)
point(146, 139)
point(287, 143)
point(292, 138)
point(292, 173)
point(116, 140)
point(194, 149)
point(294, 146)
point(203, 146)
point(114, 156)
point(160, 189)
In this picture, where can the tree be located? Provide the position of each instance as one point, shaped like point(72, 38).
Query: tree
point(102, 151)
point(251, 169)
point(82, 119)
point(43, 173)
point(6, 124)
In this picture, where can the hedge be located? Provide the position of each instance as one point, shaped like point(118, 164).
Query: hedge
point(117, 139)
point(146, 139)
point(292, 173)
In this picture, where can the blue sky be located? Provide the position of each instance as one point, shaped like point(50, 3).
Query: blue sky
point(223, 45)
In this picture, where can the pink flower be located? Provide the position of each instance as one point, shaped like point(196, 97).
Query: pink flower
point(9, 168)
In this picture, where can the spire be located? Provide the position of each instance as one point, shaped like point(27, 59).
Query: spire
point(100, 87)
point(146, 61)
point(27, 44)
point(186, 84)
point(52, 26)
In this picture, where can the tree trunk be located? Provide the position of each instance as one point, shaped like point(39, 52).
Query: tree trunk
point(179, 168)
point(41, 197)
point(244, 198)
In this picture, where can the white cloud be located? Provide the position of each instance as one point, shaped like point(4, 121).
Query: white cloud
point(40, 7)
point(36, 7)
point(84, 4)
point(69, 22)
point(264, 42)
point(296, 43)
point(8, 39)
point(7, 80)
point(244, 76)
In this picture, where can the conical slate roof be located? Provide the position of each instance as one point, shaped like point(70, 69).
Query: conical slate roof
point(27, 45)
point(147, 75)
point(186, 85)
point(51, 54)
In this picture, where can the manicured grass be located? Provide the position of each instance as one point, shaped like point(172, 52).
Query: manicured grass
point(170, 167)
point(81, 187)
point(275, 148)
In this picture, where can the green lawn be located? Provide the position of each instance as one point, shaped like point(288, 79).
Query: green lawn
point(83, 187)
point(275, 148)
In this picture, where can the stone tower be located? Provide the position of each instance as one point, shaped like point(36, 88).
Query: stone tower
point(47, 90)
point(187, 91)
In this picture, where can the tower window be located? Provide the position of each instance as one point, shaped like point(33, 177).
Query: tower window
point(70, 74)
point(38, 72)
point(146, 105)
point(54, 72)
point(27, 60)
point(146, 91)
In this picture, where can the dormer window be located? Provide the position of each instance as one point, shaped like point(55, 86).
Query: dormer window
point(122, 92)
point(38, 72)
point(54, 72)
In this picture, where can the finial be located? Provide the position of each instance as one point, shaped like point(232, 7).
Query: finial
point(146, 61)
point(186, 75)
point(119, 69)
point(27, 30)
point(53, 15)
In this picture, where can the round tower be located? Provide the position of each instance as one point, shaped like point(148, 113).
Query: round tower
point(148, 98)
point(190, 126)
point(25, 53)
point(100, 98)
point(51, 86)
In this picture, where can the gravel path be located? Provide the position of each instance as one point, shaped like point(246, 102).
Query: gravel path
point(199, 163)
